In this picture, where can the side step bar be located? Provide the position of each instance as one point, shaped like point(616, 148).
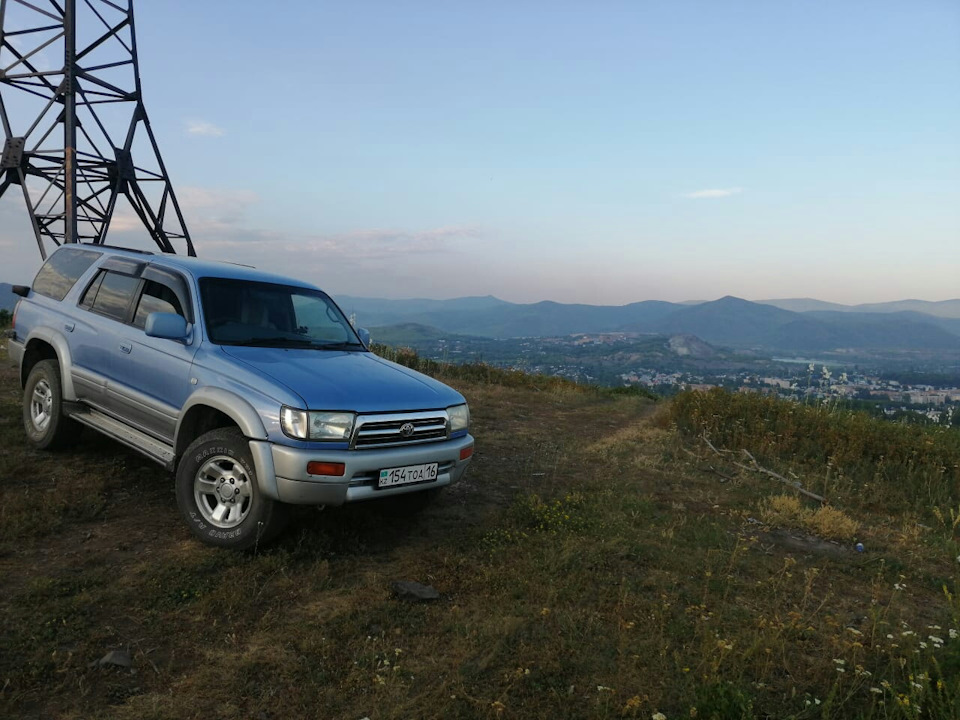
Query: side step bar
point(148, 445)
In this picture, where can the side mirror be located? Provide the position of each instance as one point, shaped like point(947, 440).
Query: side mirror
point(21, 290)
point(364, 335)
point(169, 326)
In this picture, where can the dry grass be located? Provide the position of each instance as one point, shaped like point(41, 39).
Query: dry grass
point(825, 522)
point(589, 568)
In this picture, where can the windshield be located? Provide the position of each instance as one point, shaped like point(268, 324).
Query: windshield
point(240, 312)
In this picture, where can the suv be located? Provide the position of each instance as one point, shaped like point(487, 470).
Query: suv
point(253, 388)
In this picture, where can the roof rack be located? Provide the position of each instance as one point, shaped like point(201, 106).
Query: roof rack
point(116, 247)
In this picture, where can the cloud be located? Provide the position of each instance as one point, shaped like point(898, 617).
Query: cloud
point(362, 260)
point(221, 229)
point(382, 243)
point(714, 193)
point(203, 128)
point(359, 246)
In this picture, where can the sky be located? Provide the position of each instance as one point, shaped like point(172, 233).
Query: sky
point(595, 151)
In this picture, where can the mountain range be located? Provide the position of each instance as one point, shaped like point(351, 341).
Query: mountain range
point(729, 321)
point(795, 324)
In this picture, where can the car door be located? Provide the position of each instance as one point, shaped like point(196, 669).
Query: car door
point(97, 335)
point(153, 374)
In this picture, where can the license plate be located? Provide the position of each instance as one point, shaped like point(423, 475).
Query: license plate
point(407, 475)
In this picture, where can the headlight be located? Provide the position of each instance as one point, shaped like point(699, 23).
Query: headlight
point(305, 425)
point(459, 417)
point(331, 425)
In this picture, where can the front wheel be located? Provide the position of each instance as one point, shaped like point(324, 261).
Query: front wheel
point(218, 494)
point(46, 426)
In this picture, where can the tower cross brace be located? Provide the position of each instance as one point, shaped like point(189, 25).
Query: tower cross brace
point(94, 104)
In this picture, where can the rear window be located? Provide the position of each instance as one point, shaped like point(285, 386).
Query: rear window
point(62, 271)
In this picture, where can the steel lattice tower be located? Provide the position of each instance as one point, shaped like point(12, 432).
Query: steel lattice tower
point(77, 137)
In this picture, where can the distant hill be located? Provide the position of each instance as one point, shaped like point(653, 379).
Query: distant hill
point(7, 298)
point(805, 305)
point(942, 308)
point(406, 333)
point(729, 321)
point(950, 324)
point(382, 312)
point(490, 317)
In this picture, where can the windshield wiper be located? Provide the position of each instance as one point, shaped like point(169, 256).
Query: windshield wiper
point(277, 342)
point(338, 345)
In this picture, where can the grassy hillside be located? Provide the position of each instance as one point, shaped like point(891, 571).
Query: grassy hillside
point(598, 561)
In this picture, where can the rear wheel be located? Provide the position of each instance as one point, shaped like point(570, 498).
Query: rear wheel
point(218, 493)
point(46, 426)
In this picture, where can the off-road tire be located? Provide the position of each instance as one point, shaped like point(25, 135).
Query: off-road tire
point(46, 426)
point(226, 451)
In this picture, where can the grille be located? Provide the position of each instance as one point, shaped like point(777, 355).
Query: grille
point(377, 431)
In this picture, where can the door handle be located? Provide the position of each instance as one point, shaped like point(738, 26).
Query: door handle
point(126, 347)
point(69, 326)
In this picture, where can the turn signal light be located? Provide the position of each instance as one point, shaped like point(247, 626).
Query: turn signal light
point(466, 452)
point(326, 468)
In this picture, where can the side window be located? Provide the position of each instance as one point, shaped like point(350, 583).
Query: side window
point(114, 295)
point(62, 271)
point(156, 297)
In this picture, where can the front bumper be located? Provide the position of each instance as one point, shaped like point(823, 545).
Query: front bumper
point(283, 476)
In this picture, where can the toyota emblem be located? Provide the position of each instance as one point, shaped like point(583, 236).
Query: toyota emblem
point(406, 430)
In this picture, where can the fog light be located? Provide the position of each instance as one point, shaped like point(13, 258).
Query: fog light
point(326, 468)
point(466, 452)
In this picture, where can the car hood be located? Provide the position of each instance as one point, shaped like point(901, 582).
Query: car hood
point(357, 381)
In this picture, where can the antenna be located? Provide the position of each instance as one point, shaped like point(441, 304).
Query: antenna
point(77, 137)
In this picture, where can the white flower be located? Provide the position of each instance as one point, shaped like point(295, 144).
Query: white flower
point(953, 634)
point(899, 586)
point(923, 645)
point(854, 631)
point(839, 662)
point(935, 640)
point(658, 716)
point(876, 691)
